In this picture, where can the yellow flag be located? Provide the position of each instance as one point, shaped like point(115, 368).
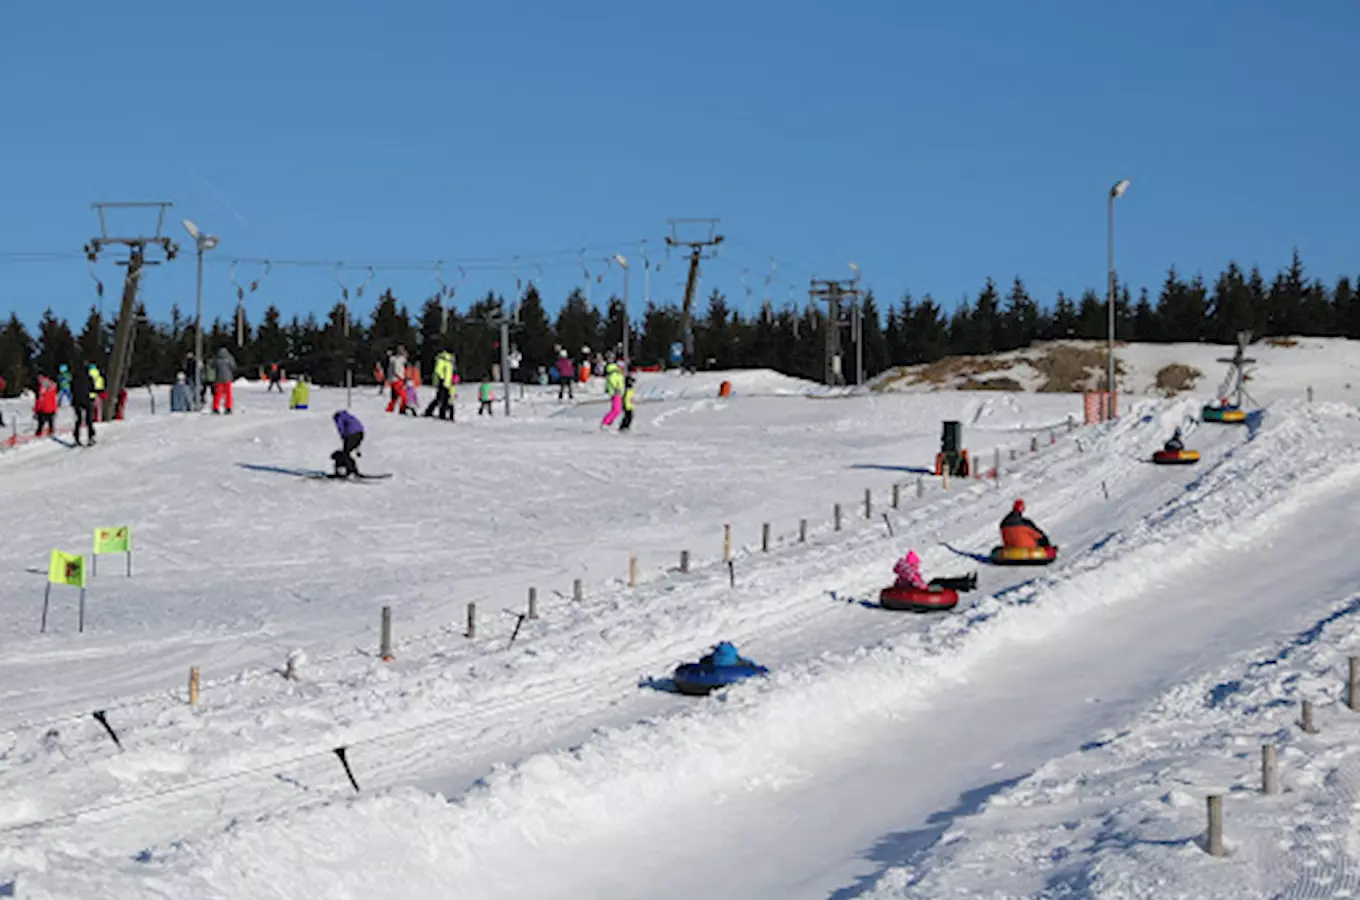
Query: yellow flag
point(113, 540)
point(66, 568)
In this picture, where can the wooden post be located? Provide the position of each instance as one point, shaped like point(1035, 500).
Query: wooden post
point(1214, 833)
point(996, 464)
point(802, 531)
point(1270, 770)
point(727, 541)
point(944, 478)
point(577, 591)
point(472, 620)
point(765, 538)
point(1012, 454)
point(920, 486)
point(632, 570)
point(533, 603)
point(897, 496)
point(193, 686)
point(836, 515)
point(1310, 393)
point(1353, 685)
point(1034, 443)
point(1306, 718)
point(684, 561)
point(385, 647)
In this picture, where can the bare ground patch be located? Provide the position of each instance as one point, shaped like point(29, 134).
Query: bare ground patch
point(1177, 377)
point(1281, 342)
point(1000, 383)
point(1069, 370)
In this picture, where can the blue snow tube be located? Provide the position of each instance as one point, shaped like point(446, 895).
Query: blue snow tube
point(697, 679)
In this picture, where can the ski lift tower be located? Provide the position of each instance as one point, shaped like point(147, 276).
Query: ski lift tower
point(1236, 381)
point(696, 251)
point(136, 261)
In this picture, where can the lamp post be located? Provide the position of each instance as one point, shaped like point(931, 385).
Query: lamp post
point(1116, 192)
point(622, 261)
point(201, 242)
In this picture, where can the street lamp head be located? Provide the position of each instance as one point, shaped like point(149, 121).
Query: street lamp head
point(619, 258)
point(207, 242)
point(1119, 188)
point(191, 228)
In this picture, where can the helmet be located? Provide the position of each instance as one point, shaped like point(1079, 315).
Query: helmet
point(912, 558)
point(1019, 506)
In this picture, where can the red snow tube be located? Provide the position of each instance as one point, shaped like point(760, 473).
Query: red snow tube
point(1175, 457)
point(899, 597)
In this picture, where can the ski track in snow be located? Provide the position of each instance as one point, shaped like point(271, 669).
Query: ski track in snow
point(577, 671)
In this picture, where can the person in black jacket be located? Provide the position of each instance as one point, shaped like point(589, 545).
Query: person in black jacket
point(82, 400)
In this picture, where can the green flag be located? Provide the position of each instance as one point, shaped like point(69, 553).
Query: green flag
point(66, 568)
point(113, 540)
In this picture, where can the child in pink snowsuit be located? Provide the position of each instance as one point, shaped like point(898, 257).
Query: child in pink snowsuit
point(908, 571)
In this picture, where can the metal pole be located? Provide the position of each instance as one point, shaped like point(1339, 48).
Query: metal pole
point(198, 334)
point(1109, 346)
point(505, 361)
point(626, 329)
point(859, 342)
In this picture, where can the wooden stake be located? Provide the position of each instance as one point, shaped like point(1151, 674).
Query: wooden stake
point(836, 514)
point(944, 478)
point(1214, 832)
point(765, 538)
point(1353, 685)
point(1270, 770)
point(684, 561)
point(920, 486)
point(193, 686)
point(897, 496)
point(727, 541)
point(385, 645)
point(996, 464)
point(632, 570)
point(1306, 718)
point(472, 620)
point(578, 592)
point(533, 603)
point(802, 531)
point(868, 503)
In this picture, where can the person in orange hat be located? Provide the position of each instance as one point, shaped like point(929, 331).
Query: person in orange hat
point(1018, 531)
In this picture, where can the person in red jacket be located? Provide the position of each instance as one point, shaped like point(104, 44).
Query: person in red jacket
point(45, 406)
point(1018, 531)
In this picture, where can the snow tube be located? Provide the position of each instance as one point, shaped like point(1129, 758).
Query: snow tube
point(902, 597)
point(1024, 556)
point(1175, 457)
point(697, 679)
point(1227, 414)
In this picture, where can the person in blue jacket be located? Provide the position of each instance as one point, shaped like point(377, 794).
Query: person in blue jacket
point(724, 655)
point(351, 436)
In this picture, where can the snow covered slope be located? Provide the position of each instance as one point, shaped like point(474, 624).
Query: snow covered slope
point(570, 773)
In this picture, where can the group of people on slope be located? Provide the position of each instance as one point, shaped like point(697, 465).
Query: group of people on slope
point(1016, 531)
point(218, 373)
point(83, 388)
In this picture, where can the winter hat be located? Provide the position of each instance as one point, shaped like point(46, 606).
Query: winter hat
point(1019, 506)
point(912, 558)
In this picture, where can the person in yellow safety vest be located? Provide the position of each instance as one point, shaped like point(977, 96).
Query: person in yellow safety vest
point(627, 405)
point(613, 386)
point(444, 389)
point(97, 395)
point(302, 394)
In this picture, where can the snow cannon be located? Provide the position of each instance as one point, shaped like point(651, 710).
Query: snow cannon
point(1175, 457)
point(909, 599)
point(1227, 415)
point(701, 678)
point(1023, 556)
point(952, 458)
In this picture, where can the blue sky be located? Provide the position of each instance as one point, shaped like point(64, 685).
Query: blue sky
point(934, 144)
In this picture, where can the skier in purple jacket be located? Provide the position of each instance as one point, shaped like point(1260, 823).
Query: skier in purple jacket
point(351, 436)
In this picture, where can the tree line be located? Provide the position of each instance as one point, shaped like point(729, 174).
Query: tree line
point(790, 340)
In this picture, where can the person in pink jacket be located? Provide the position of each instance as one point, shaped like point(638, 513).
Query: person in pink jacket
point(908, 572)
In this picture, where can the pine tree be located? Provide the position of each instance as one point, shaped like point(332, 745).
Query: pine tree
point(1093, 317)
point(1020, 323)
point(578, 325)
point(1285, 300)
point(1146, 326)
point(1233, 308)
point(536, 338)
point(16, 357)
point(927, 333)
point(55, 345)
point(1346, 309)
point(876, 355)
point(272, 340)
